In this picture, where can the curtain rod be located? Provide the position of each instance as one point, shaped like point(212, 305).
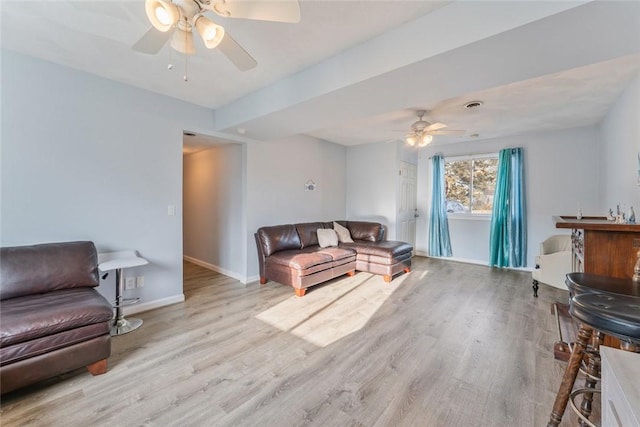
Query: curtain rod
point(467, 155)
point(475, 154)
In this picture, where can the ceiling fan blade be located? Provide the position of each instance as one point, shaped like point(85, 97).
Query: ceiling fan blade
point(435, 126)
point(446, 132)
point(152, 41)
point(236, 53)
point(276, 11)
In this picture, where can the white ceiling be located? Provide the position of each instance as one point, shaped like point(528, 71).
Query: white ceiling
point(577, 97)
point(96, 36)
point(353, 72)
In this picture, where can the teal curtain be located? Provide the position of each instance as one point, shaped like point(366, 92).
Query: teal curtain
point(508, 239)
point(439, 243)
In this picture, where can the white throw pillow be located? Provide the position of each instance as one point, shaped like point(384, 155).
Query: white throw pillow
point(327, 237)
point(343, 234)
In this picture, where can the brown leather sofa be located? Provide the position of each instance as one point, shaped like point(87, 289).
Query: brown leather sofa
point(52, 320)
point(290, 254)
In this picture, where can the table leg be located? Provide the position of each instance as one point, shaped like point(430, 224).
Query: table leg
point(120, 324)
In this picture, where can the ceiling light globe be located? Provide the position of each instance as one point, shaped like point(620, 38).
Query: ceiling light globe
point(411, 140)
point(425, 140)
point(162, 14)
point(211, 33)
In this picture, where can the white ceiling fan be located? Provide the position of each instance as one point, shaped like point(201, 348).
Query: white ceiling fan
point(177, 20)
point(422, 131)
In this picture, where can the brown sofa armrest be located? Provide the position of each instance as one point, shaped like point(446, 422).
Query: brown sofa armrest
point(261, 256)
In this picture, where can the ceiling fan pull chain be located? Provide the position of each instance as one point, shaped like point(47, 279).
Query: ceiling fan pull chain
point(186, 60)
point(170, 65)
point(186, 70)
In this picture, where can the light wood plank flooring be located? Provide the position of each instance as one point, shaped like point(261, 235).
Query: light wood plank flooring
point(449, 344)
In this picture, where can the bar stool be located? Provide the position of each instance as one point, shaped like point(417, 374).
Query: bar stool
point(119, 261)
point(609, 313)
point(588, 283)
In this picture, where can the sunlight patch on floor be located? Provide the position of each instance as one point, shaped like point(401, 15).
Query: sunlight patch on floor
point(330, 312)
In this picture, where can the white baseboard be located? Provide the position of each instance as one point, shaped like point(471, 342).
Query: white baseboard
point(472, 261)
point(465, 260)
point(252, 279)
point(217, 269)
point(146, 306)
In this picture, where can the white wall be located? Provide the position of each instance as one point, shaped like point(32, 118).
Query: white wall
point(213, 200)
point(85, 158)
point(276, 174)
point(621, 136)
point(562, 175)
point(371, 184)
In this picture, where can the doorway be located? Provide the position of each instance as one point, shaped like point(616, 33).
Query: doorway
point(213, 204)
point(407, 202)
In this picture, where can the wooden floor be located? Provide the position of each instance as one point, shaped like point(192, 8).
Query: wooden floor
point(449, 344)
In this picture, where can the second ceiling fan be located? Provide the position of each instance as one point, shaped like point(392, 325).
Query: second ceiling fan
point(421, 132)
point(178, 19)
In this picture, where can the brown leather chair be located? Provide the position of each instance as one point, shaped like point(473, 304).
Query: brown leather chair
point(52, 320)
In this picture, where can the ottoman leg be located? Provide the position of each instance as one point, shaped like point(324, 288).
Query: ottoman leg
point(387, 279)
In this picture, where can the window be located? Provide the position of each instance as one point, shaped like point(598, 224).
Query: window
point(470, 184)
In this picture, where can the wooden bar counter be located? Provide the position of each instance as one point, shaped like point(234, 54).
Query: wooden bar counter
point(599, 246)
point(602, 247)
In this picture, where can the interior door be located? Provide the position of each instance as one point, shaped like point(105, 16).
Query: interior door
point(407, 202)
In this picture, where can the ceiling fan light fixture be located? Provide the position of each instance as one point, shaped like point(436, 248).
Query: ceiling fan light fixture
point(211, 33)
point(411, 140)
point(182, 41)
point(425, 140)
point(162, 14)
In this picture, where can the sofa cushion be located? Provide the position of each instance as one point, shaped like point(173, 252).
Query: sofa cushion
point(344, 236)
point(368, 231)
point(36, 347)
point(338, 253)
point(27, 318)
point(327, 238)
point(26, 270)
point(301, 259)
point(308, 233)
point(278, 238)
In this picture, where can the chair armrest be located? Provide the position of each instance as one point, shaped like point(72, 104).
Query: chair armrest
point(553, 268)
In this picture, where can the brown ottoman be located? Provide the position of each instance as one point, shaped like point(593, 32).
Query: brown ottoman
point(386, 258)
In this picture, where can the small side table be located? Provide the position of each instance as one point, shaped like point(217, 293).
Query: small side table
point(119, 261)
